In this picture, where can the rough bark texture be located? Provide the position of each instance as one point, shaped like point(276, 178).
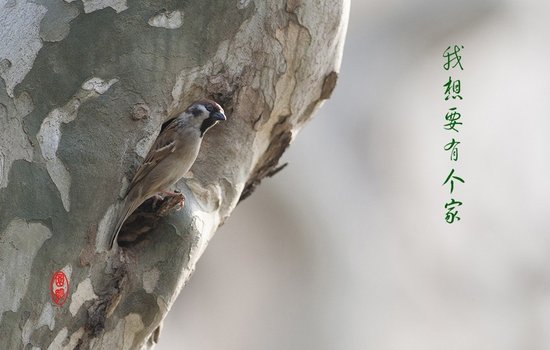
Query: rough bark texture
point(85, 87)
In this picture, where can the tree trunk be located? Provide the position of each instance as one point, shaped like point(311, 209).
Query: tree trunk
point(85, 88)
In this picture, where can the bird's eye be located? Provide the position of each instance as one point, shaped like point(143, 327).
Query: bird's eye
point(209, 108)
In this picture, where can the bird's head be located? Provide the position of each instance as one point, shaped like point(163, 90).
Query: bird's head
point(203, 114)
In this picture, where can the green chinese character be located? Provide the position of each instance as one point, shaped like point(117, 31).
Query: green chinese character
point(452, 117)
point(452, 214)
point(451, 179)
point(452, 57)
point(452, 146)
point(452, 86)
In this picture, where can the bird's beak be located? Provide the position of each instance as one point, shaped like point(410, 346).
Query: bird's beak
point(212, 119)
point(218, 116)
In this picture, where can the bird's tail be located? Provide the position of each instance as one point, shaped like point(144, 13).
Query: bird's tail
point(127, 209)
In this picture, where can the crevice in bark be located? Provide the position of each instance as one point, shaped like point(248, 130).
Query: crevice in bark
point(281, 136)
point(328, 85)
point(146, 217)
point(104, 306)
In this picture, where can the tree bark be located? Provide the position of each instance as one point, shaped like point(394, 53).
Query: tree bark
point(85, 87)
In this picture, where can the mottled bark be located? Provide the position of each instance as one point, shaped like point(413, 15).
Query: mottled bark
point(85, 87)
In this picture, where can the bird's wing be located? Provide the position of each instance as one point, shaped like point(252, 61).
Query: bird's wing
point(164, 145)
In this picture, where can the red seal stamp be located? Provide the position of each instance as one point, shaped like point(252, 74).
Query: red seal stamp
point(59, 288)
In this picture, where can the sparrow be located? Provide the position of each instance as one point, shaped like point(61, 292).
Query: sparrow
point(171, 156)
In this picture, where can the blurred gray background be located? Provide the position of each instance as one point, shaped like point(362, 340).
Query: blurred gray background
point(348, 248)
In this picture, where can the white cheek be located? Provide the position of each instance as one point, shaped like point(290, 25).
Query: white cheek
point(196, 122)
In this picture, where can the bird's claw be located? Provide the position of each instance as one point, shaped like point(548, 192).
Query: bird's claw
point(181, 203)
point(178, 194)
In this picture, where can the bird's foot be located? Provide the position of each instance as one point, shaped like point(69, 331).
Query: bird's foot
point(181, 203)
point(170, 193)
point(177, 195)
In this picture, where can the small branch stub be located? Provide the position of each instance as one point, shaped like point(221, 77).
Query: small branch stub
point(140, 111)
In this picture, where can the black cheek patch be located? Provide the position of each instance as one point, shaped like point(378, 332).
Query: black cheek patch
point(196, 112)
point(207, 124)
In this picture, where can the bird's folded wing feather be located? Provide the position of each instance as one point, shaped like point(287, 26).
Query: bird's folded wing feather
point(163, 146)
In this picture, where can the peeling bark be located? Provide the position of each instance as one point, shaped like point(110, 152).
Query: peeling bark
point(85, 88)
